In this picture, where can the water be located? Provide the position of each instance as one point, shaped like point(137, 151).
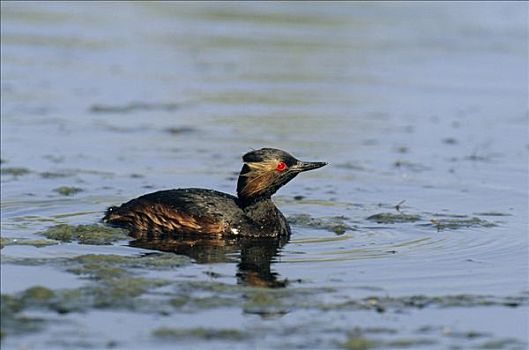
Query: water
point(418, 102)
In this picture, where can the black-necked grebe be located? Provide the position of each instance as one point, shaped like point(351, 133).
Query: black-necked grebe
point(200, 211)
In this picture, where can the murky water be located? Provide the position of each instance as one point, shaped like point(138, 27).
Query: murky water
point(420, 109)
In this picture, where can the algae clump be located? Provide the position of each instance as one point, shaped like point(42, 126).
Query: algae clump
point(157, 261)
point(334, 224)
point(37, 294)
point(454, 224)
point(94, 234)
point(15, 171)
point(390, 218)
point(38, 243)
point(356, 341)
point(200, 333)
point(67, 190)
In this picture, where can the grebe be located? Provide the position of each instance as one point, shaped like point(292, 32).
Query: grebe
point(173, 213)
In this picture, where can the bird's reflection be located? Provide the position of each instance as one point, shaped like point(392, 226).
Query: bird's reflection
point(254, 256)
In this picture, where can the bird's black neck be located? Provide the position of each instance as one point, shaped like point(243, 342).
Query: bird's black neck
point(265, 214)
point(249, 204)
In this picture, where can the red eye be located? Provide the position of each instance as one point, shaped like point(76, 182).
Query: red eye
point(281, 166)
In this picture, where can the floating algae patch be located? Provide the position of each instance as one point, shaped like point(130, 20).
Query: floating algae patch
point(190, 303)
point(393, 218)
point(264, 304)
point(86, 263)
point(493, 213)
point(134, 107)
point(408, 343)
point(55, 174)
point(180, 130)
point(457, 223)
point(94, 234)
point(99, 271)
point(116, 282)
point(387, 303)
point(123, 292)
point(504, 343)
point(334, 224)
point(116, 293)
point(67, 190)
point(212, 286)
point(36, 294)
point(13, 320)
point(357, 340)
point(110, 291)
point(106, 266)
point(358, 343)
point(170, 333)
point(5, 241)
point(190, 296)
point(15, 171)
point(158, 261)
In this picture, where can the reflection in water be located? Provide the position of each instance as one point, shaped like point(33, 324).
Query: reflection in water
point(254, 261)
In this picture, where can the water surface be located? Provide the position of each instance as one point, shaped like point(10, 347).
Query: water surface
point(420, 109)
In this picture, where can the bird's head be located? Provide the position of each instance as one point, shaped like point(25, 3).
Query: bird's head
point(267, 169)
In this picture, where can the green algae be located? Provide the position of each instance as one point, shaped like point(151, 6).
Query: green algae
point(13, 320)
point(99, 272)
point(114, 285)
point(386, 303)
point(180, 130)
point(134, 107)
point(264, 304)
point(409, 343)
point(440, 221)
point(156, 261)
point(126, 291)
point(457, 223)
point(117, 284)
point(37, 294)
point(10, 304)
point(457, 334)
point(504, 343)
point(5, 241)
point(55, 174)
point(358, 343)
point(334, 224)
point(213, 286)
point(94, 234)
point(493, 213)
point(212, 302)
point(20, 324)
point(86, 263)
point(393, 218)
point(112, 293)
point(356, 340)
point(15, 171)
point(379, 330)
point(199, 333)
point(67, 190)
point(123, 292)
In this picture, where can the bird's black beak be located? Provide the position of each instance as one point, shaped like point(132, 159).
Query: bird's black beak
point(305, 166)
